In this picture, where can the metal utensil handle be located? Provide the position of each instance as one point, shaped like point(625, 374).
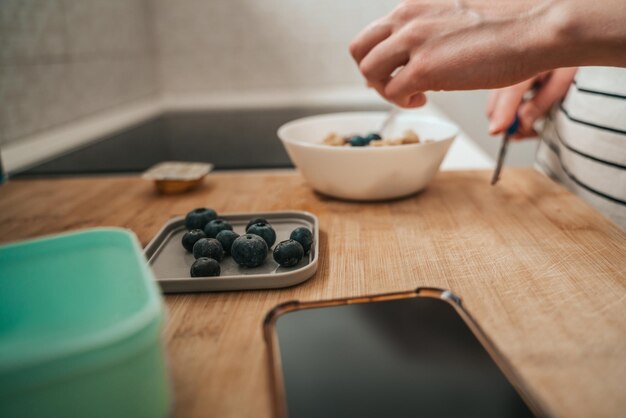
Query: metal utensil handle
point(391, 117)
point(502, 153)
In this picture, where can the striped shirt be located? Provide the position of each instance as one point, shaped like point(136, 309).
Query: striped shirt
point(583, 142)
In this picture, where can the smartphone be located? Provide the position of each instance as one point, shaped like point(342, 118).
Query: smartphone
point(409, 354)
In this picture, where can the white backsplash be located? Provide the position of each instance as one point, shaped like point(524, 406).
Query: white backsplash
point(62, 60)
point(205, 47)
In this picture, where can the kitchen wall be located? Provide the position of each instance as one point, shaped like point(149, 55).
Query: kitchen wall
point(205, 47)
point(234, 46)
point(62, 60)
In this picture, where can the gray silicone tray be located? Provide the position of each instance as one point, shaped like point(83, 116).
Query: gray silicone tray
point(171, 263)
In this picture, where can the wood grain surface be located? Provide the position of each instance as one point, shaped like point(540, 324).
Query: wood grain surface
point(542, 272)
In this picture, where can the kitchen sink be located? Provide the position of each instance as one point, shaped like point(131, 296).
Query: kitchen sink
point(230, 139)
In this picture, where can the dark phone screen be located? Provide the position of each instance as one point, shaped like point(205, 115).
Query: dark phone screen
point(412, 357)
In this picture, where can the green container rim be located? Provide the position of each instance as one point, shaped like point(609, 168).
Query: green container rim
point(109, 336)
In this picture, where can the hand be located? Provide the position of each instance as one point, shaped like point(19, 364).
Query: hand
point(470, 44)
point(446, 45)
point(547, 88)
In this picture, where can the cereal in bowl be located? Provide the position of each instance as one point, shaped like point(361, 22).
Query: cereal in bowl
point(334, 139)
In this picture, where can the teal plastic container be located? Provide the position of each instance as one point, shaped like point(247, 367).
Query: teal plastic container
point(80, 329)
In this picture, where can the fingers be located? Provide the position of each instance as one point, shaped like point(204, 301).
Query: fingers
point(506, 105)
point(368, 39)
point(383, 60)
point(378, 55)
point(523, 132)
point(406, 84)
point(551, 91)
point(417, 100)
point(491, 102)
point(379, 87)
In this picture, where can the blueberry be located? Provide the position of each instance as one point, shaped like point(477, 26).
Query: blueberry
point(265, 231)
point(249, 250)
point(208, 247)
point(190, 238)
point(226, 238)
point(288, 253)
point(358, 141)
point(372, 137)
point(198, 218)
point(256, 221)
point(215, 226)
point(204, 267)
point(304, 237)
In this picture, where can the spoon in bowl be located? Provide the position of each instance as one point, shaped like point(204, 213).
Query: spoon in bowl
point(389, 120)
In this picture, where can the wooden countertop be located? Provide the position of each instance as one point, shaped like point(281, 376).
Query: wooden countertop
point(543, 273)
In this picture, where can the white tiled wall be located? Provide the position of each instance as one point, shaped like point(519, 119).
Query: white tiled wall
point(61, 60)
point(205, 46)
point(213, 46)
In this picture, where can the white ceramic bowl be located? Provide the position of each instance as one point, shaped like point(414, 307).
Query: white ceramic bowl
point(366, 173)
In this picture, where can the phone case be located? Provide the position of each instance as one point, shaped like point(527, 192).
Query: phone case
point(278, 391)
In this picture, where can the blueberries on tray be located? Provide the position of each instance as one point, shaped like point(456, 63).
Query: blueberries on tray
point(191, 237)
point(264, 230)
point(288, 253)
point(215, 226)
point(208, 247)
point(204, 267)
point(256, 221)
point(210, 239)
point(249, 250)
point(304, 237)
point(198, 218)
point(226, 238)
